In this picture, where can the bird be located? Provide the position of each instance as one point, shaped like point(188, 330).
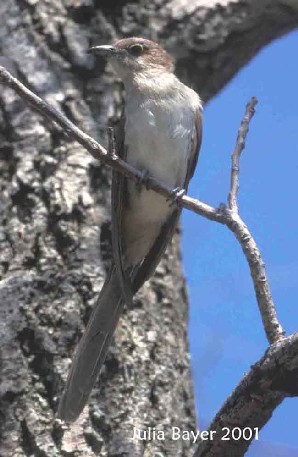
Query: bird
point(160, 135)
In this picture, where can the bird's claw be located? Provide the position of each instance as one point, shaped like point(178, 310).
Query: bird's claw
point(176, 194)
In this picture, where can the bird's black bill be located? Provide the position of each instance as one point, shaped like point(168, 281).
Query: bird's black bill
point(103, 51)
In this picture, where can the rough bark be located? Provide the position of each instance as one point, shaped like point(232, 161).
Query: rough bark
point(252, 403)
point(54, 227)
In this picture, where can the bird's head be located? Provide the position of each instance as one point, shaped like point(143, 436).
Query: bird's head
point(133, 56)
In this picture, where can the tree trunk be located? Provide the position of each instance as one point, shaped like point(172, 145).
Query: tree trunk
point(55, 232)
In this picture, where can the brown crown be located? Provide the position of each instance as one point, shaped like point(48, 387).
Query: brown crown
point(152, 53)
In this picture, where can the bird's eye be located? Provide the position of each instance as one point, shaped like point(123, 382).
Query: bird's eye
point(137, 49)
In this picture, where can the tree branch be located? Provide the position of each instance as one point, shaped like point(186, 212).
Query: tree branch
point(250, 406)
point(272, 327)
point(240, 145)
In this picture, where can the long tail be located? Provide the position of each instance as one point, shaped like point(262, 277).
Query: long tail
point(92, 350)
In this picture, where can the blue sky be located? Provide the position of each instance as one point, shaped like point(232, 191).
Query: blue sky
point(226, 334)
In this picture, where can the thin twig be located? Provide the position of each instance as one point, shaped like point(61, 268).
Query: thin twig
point(273, 329)
point(227, 216)
point(240, 145)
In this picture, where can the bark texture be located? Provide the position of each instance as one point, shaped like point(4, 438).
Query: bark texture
point(54, 220)
point(268, 383)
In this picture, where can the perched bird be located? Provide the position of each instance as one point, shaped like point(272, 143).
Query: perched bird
point(161, 136)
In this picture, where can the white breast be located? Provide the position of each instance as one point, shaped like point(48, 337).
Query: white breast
point(158, 135)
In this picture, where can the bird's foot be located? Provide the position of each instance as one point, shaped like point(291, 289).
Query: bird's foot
point(176, 194)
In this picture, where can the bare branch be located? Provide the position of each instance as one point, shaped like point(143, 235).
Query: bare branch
point(240, 145)
point(252, 403)
point(272, 327)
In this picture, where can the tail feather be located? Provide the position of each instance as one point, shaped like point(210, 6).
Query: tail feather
point(92, 350)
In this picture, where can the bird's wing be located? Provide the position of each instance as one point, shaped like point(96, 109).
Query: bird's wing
point(119, 190)
point(132, 281)
point(149, 264)
point(196, 141)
